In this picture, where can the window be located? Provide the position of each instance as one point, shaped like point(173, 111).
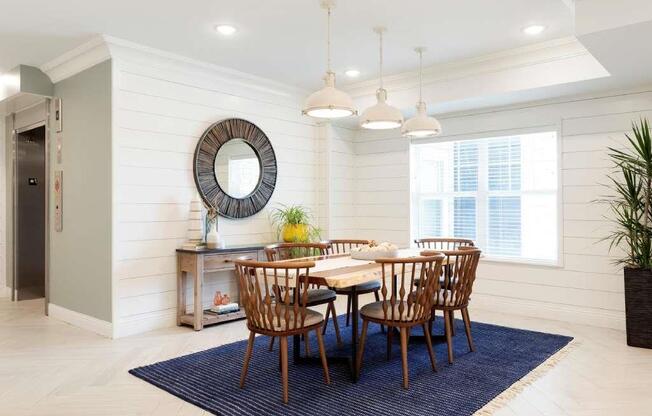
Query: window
point(500, 191)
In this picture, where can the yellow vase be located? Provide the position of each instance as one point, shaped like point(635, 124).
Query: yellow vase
point(293, 233)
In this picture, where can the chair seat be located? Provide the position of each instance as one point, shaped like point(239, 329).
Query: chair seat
point(360, 289)
point(375, 311)
point(312, 318)
point(445, 298)
point(320, 296)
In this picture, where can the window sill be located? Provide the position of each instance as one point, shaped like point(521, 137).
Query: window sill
point(523, 262)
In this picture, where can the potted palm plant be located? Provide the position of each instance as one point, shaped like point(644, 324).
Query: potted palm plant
point(293, 224)
point(631, 206)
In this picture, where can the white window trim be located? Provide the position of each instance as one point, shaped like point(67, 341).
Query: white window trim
point(559, 263)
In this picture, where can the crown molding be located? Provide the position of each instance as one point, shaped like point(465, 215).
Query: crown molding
point(540, 53)
point(103, 47)
point(77, 60)
point(127, 50)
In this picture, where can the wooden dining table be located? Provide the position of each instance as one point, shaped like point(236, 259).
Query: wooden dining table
point(342, 271)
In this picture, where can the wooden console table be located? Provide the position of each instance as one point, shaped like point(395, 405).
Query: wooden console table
point(199, 262)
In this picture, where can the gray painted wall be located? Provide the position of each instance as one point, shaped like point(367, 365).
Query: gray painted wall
point(80, 255)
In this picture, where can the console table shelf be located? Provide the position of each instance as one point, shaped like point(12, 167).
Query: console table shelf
point(195, 264)
point(210, 318)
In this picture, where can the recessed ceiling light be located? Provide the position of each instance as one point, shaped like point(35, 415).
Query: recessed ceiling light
point(352, 73)
point(533, 29)
point(226, 30)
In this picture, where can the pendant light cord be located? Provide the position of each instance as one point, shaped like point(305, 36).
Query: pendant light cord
point(380, 33)
point(420, 74)
point(328, 43)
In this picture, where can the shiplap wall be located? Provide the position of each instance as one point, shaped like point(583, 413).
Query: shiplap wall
point(341, 182)
point(587, 287)
point(162, 107)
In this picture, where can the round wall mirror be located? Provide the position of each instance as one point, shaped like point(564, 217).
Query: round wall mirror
point(237, 168)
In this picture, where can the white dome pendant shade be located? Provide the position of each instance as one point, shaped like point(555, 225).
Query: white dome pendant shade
point(381, 116)
point(329, 102)
point(421, 125)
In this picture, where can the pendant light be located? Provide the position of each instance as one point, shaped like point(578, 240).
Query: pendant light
point(329, 102)
point(421, 125)
point(381, 116)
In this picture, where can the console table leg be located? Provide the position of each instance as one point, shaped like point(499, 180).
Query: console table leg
point(181, 294)
point(198, 290)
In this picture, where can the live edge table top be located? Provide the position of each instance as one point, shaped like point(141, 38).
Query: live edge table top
point(341, 271)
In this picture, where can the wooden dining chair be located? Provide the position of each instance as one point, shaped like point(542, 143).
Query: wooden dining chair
point(455, 292)
point(316, 296)
point(444, 243)
point(275, 305)
point(344, 247)
point(404, 305)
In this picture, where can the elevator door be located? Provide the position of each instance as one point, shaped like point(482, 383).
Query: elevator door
point(30, 214)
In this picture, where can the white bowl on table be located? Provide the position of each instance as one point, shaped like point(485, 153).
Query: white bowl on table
point(373, 252)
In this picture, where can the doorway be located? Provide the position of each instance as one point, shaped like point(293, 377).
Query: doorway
point(29, 214)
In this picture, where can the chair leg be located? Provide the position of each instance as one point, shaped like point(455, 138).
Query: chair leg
point(271, 343)
point(284, 367)
point(336, 325)
point(382, 327)
point(467, 327)
point(451, 316)
point(349, 302)
point(247, 358)
point(426, 335)
point(390, 334)
point(433, 317)
point(306, 343)
point(363, 337)
point(449, 340)
point(404, 345)
point(328, 312)
point(322, 354)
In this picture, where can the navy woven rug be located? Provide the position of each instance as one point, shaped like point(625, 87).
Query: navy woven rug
point(209, 379)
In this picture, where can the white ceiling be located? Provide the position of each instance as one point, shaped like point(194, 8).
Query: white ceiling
point(283, 40)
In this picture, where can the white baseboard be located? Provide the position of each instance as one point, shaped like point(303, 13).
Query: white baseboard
point(80, 320)
point(566, 313)
point(5, 292)
point(145, 322)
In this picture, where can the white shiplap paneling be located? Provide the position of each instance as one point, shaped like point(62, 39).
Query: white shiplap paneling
point(160, 113)
point(587, 287)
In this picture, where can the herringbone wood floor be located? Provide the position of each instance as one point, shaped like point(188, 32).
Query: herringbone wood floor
point(51, 368)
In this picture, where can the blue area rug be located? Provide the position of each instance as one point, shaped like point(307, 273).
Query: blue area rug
point(209, 379)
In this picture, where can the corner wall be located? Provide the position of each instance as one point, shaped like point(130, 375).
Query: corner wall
point(587, 288)
point(80, 255)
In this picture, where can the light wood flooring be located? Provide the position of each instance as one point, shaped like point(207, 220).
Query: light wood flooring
point(51, 368)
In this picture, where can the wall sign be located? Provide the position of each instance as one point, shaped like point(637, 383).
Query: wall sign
point(58, 115)
point(58, 200)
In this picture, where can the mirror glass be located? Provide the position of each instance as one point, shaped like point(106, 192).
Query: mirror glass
point(237, 168)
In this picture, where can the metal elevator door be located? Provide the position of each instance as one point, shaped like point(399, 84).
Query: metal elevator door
point(30, 214)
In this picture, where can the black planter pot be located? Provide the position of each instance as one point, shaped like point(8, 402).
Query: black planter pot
point(638, 307)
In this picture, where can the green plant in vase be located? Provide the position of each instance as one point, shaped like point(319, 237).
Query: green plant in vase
point(631, 209)
point(293, 224)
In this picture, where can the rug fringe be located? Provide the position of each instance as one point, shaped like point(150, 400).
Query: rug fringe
point(515, 389)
